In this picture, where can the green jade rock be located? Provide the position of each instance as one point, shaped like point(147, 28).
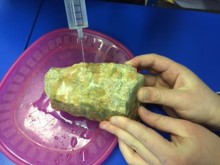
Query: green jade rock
point(96, 91)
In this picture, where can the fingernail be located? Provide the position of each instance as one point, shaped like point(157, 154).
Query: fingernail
point(143, 110)
point(113, 119)
point(128, 62)
point(102, 126)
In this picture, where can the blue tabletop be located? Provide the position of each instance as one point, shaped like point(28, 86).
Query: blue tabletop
point(189, 37)
point(16, 24)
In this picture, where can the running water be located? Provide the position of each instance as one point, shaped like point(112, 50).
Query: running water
point(82, 49)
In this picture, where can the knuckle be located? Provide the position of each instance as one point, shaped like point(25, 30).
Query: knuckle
point(155, 54)
point(143, 136)
point(133, 144)
point(134, 147)
point(155, 95)
point(157, 120)
point(118, 133)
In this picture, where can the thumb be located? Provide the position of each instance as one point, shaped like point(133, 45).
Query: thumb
point(168, 97)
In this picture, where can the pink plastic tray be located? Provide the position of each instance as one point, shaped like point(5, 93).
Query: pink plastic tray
point(31, 132)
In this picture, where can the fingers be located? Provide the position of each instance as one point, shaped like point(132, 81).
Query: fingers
point(163, 123)
point(168, 69)
point(164, 96)
point(152, 61)
point(130, 140)
point(151, 139)
point(130, 155)
point(144, 141)
point(170, 112)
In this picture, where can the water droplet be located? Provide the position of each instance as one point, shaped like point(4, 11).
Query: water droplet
point(86, 134)
point(72, 131)
point(73, 142)
point(68, 156)
point(83, 155)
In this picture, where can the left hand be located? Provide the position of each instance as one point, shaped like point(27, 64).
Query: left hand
point(190, 143)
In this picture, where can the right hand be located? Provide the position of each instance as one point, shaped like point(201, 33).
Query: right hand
point(178, 89)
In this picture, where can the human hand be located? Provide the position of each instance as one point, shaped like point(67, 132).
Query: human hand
point(190, 143)
point(177, 88)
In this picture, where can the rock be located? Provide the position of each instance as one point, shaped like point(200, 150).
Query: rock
point(96, 91)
